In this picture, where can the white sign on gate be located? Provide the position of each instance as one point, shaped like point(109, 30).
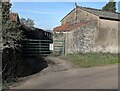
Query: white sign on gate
point(51, 47)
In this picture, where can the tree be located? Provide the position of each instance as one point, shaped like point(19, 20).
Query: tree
point(27, 22)
point(110, 6)
point(5, 11)
point(11, 38)
point(10, 30)
point(12, 35)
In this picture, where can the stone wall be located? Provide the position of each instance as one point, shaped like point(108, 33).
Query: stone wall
point(69, 18)
point(69, 42)
point(79, 15)
point(80, 40)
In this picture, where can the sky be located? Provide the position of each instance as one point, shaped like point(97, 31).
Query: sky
point(47, 15)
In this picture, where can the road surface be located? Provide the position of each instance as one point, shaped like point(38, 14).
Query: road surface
point(73, 78)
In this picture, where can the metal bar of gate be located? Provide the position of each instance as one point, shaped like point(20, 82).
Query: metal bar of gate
point(35, 47)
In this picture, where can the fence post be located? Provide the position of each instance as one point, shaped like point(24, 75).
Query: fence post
point(64, 46)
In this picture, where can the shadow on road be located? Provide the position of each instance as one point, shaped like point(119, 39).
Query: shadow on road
point(37, 63)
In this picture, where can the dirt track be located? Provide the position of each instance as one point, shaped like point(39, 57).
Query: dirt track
point(64, 75)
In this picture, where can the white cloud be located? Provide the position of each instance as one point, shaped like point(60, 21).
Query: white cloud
point(35, 12)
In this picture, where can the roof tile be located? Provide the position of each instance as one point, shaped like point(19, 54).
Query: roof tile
point(69, 26)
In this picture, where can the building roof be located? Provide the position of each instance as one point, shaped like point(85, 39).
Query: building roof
point(68, 26)
point(99, 13)
point(14, 17)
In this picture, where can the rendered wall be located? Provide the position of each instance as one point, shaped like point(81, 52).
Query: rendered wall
point(107, 37)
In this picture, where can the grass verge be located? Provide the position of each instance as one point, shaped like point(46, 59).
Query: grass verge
point(92, 59)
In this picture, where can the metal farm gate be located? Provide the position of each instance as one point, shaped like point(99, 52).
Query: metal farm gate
point(59, 43)
point(59, 47)
point(33, 47)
